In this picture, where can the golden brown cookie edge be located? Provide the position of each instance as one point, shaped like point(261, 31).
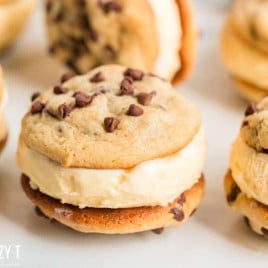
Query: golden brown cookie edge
point(187, 51)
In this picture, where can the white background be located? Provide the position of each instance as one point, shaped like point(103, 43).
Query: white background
point(214, 236)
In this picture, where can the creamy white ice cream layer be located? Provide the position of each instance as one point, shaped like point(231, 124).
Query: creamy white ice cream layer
point(169, 31)
point(153, 182)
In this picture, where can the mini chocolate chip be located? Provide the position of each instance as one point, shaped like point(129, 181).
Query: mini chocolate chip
point(59, 17)
point(178, 214)
point(181, 199)
point(264, 231)
point(251, 109)
point(57, 223)
point(37, 107)
point(110, 124)
point(93, 36)
point(193, 212)
point(126, 87)
point(109, 52)
point(65, 110)
point(48, 6)
point(247, 221)
point(245, 123)
point(39, 212)
point(235, 191)
point(82, 99)
point(60, 90)
point(158, 230)
point(145, 98)
point(135, 74)
point(110, 6)
point(60, 129)
point(134, 110)
point(78, 47)
point(71, 63)
point(67, 76)
point(264, 150)
point(253, 29)
point(52, 49)
point(35, 95)
point(80, 3)
point(98, 77)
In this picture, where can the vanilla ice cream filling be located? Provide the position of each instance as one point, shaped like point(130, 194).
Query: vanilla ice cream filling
point(250, 170)
point(153, 182)
point(169, 31)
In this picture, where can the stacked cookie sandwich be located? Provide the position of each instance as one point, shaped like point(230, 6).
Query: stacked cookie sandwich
point(244, 47)
point(115, 150)
point(246, 184)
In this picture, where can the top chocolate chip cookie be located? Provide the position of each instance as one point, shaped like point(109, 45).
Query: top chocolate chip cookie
point(156, 36)
point(111, 117)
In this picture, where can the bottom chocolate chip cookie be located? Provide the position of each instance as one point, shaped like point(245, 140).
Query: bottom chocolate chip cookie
point(118, 221)
point(255, 212)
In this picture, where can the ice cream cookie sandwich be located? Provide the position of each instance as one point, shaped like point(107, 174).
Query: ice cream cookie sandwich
point(116, 150)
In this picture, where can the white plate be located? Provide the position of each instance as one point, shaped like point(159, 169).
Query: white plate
point(214, 236)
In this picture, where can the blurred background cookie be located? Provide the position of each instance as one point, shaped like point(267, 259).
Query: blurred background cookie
point(156, 36)
point(13, 17)
point(246, 184)
point(105, 153)
point(244, 47)
point(3, 127)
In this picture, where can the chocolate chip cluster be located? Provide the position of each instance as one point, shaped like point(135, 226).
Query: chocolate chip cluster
point(82, 99)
